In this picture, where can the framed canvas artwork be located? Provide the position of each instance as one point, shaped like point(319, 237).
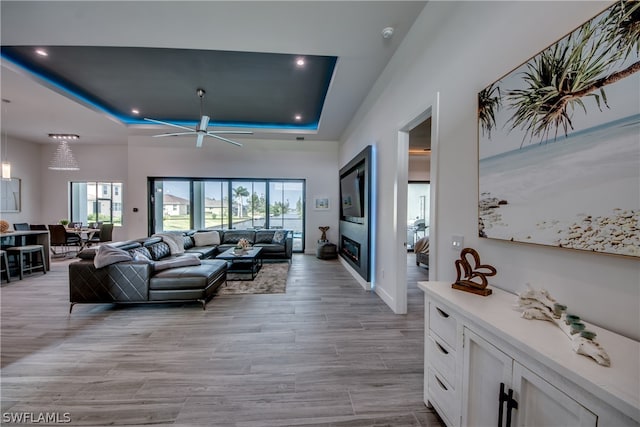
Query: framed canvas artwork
point(559, 142)
point(321, 203)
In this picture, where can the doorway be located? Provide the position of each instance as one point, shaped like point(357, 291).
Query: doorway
point(416, 162)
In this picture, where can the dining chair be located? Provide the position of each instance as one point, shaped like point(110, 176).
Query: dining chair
point(104, 235)
point(22, 240)
point(61, 238)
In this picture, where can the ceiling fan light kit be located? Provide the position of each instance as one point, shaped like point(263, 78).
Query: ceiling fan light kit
point(201, 129)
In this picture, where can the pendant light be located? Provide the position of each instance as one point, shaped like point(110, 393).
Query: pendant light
point(63, 159)
point(6, 166)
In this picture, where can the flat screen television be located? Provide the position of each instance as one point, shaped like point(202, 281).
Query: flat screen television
point(352, 194)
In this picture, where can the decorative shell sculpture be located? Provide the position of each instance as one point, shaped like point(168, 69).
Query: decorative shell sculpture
point(4, 226)
point(539, 305)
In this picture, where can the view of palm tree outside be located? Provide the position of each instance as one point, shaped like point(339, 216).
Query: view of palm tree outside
point(183, 204)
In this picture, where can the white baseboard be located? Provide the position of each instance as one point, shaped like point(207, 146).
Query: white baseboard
point(384, 296)
point(365, 285)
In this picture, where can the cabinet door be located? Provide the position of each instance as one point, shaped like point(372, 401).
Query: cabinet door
point(484, 368)
point(541, 404)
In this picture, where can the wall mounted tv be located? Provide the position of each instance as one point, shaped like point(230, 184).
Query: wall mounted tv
point(352, 195)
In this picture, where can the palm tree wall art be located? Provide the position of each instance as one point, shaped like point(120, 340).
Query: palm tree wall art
point(559, 141)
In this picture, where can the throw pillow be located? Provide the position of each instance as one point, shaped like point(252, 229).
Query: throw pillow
point(107, 255)
point(174, 262)
point(279, 237)
point(206, 238)
point(174, 240)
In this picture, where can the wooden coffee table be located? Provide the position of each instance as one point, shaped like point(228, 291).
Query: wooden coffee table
point(246, 262)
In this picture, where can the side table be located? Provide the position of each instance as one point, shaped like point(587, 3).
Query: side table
point(326, 250)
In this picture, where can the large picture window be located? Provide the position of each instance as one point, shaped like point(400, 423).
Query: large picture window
point(242, 204)
point(96, 202)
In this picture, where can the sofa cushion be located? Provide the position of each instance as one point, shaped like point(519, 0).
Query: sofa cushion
point(203, 251)
point(107, 255)
point(175, 262)
point(159, 250)
point(142, 251)
point(234, 236)
point(270, 248)
point(188, 242)
point(193, 277)
point(174, 240)
point(206, 238)
point(279, 237)
point(264, 236)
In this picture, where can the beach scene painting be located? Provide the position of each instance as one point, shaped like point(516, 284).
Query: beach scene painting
point(559, 142)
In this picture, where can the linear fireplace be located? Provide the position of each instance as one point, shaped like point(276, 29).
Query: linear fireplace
point(351, 249)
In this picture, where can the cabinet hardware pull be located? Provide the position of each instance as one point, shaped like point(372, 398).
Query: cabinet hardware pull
point(442, 313)
point(511, 404)
point(440, 382)
point(441, 348)
point(502, 397)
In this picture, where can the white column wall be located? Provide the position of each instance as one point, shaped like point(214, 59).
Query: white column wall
point(24, 157)
point(456, 49)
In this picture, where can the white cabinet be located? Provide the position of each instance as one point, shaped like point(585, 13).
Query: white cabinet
point(487, 366)
point(498, 391)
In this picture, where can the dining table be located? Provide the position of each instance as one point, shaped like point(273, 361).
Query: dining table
point(85, 233)
point(41, 237)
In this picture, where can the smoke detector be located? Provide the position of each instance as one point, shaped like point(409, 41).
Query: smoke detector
point(387, 33)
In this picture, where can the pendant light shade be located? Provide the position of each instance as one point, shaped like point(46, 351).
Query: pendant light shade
point(6, 170)
point(63, 159)
point(6, 166)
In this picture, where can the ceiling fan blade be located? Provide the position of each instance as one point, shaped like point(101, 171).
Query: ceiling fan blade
point(236, 132)
point(199, 139)
point(223, 139)
point(173, 134)
point(204, 122)
point(168, 124)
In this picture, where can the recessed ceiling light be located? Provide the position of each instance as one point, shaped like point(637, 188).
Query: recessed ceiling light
point(135, 111)
point(298, 117)
point(300, 62)
point(42, 52)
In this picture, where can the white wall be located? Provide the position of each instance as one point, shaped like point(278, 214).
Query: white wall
point(419, 168)
point(97, 163)
point(24, 157)
point(456, 49)
point(314, 161)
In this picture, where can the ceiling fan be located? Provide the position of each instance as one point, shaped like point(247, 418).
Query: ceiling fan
point(201, 130)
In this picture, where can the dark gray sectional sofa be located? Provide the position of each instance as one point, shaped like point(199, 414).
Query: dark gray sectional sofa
point(156, 275)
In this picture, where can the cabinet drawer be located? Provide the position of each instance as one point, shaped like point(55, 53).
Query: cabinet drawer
point(442, 396)
point(442, 323)
point(442, 358)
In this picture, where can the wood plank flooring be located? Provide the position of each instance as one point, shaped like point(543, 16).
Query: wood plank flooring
point(326, 353)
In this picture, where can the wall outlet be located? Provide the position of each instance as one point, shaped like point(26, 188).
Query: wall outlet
point(457, 242)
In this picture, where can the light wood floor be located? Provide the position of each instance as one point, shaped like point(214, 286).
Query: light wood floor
point(326, 353)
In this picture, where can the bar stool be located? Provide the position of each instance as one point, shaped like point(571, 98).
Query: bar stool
point(4, 265)
point(30, 250)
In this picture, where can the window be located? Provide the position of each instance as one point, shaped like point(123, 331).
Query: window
point(243, 204)
point(96, 202)
point(172, 209)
